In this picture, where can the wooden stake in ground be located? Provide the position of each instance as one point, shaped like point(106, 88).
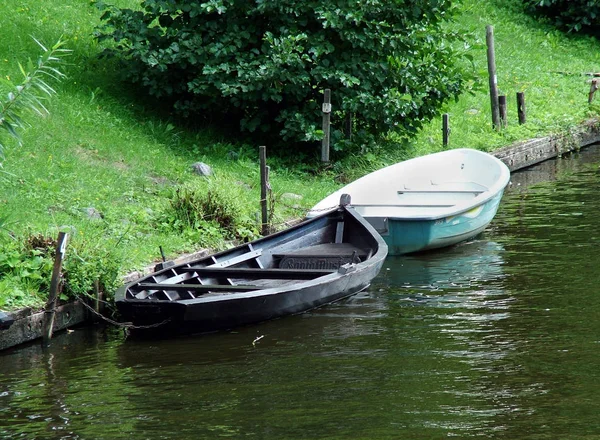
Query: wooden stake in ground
point(521, 108)
point(593, 88)
point(264, 185)
point(50, 310)
point(502, 110)
point(348, 124)
point(445, 129)
point(491, 61)
point(326, 125)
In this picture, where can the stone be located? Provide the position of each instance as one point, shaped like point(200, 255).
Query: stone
point(202, 169)
point(290, 196)
point(93, 213)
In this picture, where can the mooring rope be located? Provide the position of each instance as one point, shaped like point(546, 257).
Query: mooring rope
point(126, 325)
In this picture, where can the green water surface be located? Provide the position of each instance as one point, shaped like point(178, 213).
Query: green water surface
point(496, 338)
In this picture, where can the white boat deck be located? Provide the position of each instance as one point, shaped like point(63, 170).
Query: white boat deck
point(425, 188)
point(430, 200)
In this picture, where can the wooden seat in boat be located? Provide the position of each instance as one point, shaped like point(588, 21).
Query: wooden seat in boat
point(322, 256)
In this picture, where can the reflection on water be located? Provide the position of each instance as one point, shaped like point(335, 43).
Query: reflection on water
point(553, 170)
point(463, 266)
point(495, 338)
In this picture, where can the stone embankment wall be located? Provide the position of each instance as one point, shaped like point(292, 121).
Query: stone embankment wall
point(528, 153)
point(27, 325)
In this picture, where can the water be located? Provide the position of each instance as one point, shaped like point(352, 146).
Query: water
point(496, 338)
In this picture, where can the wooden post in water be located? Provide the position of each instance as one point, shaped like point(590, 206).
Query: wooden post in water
point(493, 79)
point(50, 309)
point(502, 110)
point(521, 108)
point(264, 184)
point(98, 298)
point(326, 125)
point(445, 129)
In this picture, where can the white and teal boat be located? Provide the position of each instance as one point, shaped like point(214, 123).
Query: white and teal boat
point(429, 202)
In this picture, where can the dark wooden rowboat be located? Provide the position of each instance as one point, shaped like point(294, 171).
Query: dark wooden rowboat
point(313, 263)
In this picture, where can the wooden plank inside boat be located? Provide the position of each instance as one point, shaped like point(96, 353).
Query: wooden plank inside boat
point(439, 191)
point(198, 287)
point(252, 273)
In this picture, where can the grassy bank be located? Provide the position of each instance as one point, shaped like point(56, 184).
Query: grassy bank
point(103, 148)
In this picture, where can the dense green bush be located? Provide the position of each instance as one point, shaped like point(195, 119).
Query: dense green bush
point(573, 15)
point(264, 65)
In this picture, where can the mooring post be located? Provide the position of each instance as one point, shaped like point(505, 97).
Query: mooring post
point(348, 125)
point(445, 129)
point(521, 107)
point(493, 79)
point(502, 110)
point(98, 298)
point(326, 125)
point(50, 309)
point(264, 183)
point(593, 88)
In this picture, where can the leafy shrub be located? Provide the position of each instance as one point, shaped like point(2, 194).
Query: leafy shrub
point(390, 65)
point(90, 261)
point(25, 272)
point(26, 265)
point(572, 15)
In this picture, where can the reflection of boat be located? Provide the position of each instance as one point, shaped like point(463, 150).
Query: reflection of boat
point(467, 265)
point(316, 262)
point(428, 202)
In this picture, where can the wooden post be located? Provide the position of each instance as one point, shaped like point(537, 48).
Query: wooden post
point(263, 189)
point(493, 79)
point(521, 108)
point(445, 129)
point(593, 88)
point(349, 125)
point(269, 199)
point(326, 125)
point(50, 310)
point(502, 110)
point(97, 300)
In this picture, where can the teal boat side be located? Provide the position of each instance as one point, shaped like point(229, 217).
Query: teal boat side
point(408, 236)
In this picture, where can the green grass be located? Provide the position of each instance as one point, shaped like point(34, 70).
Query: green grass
point(101, 147)
point(545, 64)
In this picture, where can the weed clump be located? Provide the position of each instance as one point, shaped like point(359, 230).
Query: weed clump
point(25, 271)
point(212, 213)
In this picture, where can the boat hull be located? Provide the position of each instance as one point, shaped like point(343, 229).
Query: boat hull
point(404, 236)
point(202, 317)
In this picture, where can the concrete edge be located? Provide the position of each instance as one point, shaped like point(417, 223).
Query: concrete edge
point(527, 153)
point(27, 324)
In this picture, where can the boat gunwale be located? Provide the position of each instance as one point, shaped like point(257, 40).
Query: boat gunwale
point(491, 192)
point(439, 215)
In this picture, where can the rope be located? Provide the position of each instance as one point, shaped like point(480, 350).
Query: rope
point(126, 325)
point(306, 211)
